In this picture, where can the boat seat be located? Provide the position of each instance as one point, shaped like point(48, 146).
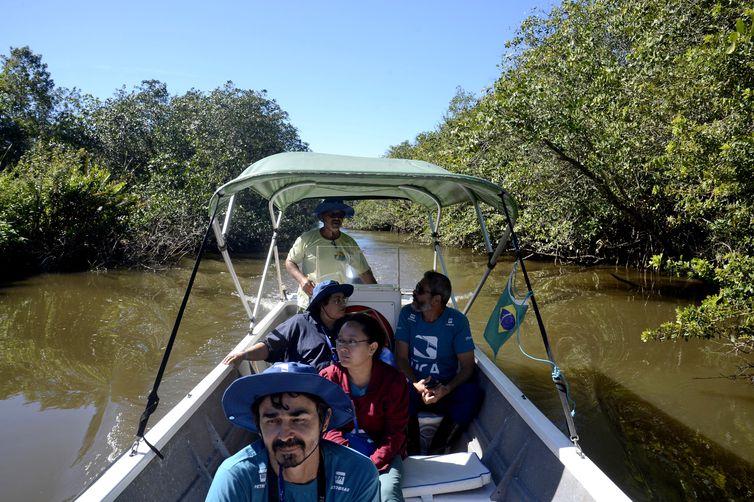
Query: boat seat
point(428, 424)
point(456, 476)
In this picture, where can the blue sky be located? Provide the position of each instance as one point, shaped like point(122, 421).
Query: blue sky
point(355, 77)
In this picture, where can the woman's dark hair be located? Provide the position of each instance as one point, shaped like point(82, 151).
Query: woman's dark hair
point(371, 327)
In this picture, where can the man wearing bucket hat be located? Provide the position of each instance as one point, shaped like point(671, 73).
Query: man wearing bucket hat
point(308, 337)
point(291, 406)
point(327, 253)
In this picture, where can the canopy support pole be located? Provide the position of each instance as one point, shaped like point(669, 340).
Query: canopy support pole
point(434, 226)
point(557, 377)
point(488, 245)
point(270, 253)
point(222, 246)
point(491, 263)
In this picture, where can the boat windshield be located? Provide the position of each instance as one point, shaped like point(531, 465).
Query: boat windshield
point(345, 264)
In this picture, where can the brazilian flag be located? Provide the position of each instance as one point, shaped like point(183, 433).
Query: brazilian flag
point(507, 315)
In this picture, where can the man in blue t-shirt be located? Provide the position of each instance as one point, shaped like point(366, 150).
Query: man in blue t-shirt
point(291, 406)
point(435, 350)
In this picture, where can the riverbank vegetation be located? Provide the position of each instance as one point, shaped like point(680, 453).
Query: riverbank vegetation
point(86, 183)
point(624, 129)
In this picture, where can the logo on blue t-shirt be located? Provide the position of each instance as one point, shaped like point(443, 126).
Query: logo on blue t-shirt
point(429, 351)
point(340, 477)
point(340, 480)
point(262, 475)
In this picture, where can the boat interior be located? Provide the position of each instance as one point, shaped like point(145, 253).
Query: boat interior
point(510, 452)
point(504, 455)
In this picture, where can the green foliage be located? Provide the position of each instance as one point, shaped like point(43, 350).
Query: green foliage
point(26, 102)
point(167, 153)
point(622, 127)
point(59, 210)
point(744, 31)
point(726, 315)
point(624, 130)
point(188, 146)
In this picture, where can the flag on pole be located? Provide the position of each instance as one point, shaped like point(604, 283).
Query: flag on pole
point(507, 315)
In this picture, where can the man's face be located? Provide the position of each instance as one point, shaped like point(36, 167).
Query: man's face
point(333, 220)
point(422, 297)
point(290, 432)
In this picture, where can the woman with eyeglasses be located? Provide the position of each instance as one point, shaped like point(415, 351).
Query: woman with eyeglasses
point(308, 337)
point(326, 253)
point(380, 396)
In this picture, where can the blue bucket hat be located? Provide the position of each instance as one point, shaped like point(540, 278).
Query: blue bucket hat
point(284, 377)
point(326, 289)
point(328, 205)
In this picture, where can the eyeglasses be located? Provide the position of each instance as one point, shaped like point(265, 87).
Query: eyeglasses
point(336, 215)
point(420, 290)
point(339, 342)
point(339, 301)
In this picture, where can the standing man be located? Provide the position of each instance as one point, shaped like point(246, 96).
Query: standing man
point(291, 406)
point(327, 253)
point(435, 351)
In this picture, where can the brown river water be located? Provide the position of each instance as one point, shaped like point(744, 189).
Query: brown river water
point(79, 354)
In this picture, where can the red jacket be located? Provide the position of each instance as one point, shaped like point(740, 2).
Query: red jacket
point(382, 412)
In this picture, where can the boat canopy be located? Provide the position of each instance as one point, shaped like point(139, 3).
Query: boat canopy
point(287, 178)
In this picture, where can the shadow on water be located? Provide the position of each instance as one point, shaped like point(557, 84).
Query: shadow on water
point(666, 459)
point(657, 418)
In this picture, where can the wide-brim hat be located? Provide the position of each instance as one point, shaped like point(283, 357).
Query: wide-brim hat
point(328, 205)
point(326, 289)
point(280, 378)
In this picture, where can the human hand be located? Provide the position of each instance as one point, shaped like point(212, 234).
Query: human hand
point(421, 386)
point(308, 287)
point(234, 359)
point(434, 394)
point(425, 386)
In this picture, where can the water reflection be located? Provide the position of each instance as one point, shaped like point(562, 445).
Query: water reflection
point(78, 355)
point(83, 349)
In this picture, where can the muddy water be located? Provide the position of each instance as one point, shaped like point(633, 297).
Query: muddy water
point(78, 355)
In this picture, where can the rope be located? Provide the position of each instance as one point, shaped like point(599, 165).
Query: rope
point(557, 374)
point(560, 383)
point(154, 400)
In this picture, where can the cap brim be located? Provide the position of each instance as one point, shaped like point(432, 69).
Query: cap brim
point(244, 391)
point(327, 207)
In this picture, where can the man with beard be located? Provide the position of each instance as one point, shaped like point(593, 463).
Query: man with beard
point(435, 351)
point(291, 406)
point(327, 253)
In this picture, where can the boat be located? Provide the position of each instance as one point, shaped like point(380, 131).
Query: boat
point(510, 452)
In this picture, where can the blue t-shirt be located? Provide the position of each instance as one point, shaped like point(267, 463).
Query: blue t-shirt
point(349, 476)
point(433, 346)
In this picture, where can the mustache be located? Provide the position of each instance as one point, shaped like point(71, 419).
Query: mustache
point(277, 444)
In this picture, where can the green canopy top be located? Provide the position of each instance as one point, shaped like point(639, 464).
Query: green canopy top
point(287, 178)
